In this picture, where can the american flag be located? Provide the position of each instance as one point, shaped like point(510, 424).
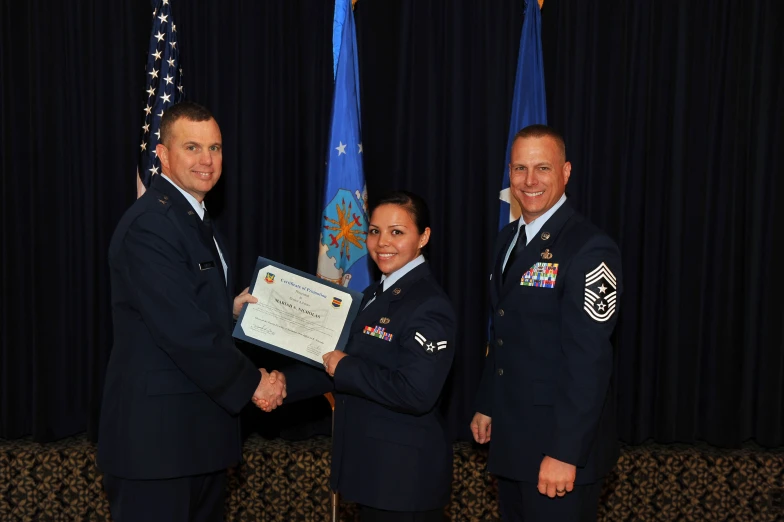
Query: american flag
point(164, 89)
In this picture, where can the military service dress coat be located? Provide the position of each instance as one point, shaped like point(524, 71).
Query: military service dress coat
point(175, 381)
point(390, 448)
point(547, 377)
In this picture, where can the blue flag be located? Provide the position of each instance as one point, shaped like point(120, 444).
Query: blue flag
point(342, 250)
point(529, 105)
point(164, 88)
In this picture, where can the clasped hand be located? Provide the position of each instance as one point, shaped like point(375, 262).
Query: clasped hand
point(481, 427)
point(556, 478)
point(271, 390)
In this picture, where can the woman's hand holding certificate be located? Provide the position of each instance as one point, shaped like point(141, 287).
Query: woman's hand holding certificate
point(296, 314)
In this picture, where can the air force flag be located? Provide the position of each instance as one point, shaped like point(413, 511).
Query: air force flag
point(342, 252)
point(529, 105)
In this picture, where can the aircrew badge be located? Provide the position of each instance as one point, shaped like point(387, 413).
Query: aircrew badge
point(600, 287)
point(270, 278)
point(541, 275)
point(546, 254)
point(429, 346)
point(337, 302)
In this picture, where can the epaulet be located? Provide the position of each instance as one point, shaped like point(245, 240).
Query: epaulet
point(158, 201)
point(422, 287)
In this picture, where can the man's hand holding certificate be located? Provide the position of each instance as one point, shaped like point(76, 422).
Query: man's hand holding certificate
point(296, 314)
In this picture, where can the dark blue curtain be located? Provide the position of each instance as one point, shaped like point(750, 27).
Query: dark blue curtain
point(671, 114)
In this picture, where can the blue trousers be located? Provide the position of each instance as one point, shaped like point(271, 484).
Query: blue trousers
point(199, 498)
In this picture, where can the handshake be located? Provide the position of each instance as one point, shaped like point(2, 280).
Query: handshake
point(271, 390)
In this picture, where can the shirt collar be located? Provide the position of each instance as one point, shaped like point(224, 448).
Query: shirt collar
point(198, 207)
point(533, 228)
point(400, 272)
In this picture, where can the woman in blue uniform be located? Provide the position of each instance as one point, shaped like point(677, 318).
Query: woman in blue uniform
point(390, 452)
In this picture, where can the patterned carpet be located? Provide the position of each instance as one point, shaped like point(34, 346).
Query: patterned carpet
point(288, 481)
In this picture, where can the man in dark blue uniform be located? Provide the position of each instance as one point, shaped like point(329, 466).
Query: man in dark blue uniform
point(545, 395)
point(175, 381)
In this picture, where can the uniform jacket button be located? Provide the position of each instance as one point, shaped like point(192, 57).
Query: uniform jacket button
point(500, 371)
point(500, 342)
point(501, 312)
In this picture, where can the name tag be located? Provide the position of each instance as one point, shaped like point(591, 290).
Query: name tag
point(206, 265)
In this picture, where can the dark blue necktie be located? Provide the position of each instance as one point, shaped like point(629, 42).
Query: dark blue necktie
point(516, 251)
point(206, 229)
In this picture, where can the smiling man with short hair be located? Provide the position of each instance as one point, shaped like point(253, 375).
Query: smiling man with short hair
point(545, 395)
point(175, 381)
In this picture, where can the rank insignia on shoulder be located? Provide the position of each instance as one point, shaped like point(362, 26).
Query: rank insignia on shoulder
point(541, 275)
point(162, 202)
point(600, 288)
point(378, 332)
point(429, 346)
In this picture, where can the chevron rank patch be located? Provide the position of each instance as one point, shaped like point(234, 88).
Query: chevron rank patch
point(600, 286)
point(429, 346)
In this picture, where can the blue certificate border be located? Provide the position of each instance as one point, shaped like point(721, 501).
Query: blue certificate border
point(353, 310)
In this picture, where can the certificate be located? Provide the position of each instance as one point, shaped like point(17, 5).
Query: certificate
point(298, 315)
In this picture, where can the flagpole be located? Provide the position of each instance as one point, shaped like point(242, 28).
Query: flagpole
point(334, 497)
